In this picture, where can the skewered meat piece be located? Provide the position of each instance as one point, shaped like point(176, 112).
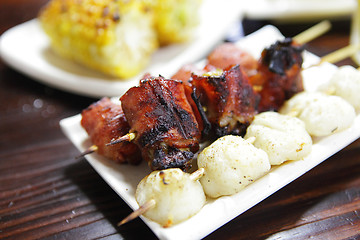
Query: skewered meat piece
point(163, 121)
point(279, 74)
point(104, 121)
point(228, 55)
point(229, 99)
point(184, 75)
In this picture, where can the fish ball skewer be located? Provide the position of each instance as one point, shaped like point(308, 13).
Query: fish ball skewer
point(345, 83)
point(282, 137)
point(230, 164)
point(172, 194)
point(322, 114)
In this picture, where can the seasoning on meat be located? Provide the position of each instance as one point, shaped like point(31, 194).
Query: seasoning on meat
point(164, 123)
point(229, 99)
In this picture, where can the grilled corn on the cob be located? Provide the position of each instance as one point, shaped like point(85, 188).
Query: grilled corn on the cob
point(116, 37)
point(175, 20)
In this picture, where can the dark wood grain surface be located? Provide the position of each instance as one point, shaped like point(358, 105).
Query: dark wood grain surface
point(46, 194)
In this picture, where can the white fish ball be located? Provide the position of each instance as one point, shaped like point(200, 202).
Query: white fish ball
point(322, 114)
point(282, 137)
point(345, 83)
point(177, 196)
point(231, 163)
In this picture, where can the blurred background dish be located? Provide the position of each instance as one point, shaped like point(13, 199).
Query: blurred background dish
point(35, 58)
point(298, 10)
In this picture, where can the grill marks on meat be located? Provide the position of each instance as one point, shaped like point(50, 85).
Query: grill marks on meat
point(229, 99)
point(104, 121)
point(276, 76)
point(169, 117)
point(184, 75)
point(279, 74)
point(162, 119)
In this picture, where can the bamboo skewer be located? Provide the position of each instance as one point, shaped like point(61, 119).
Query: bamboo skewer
point(91, 149)
point(313, 32)
point(126, 138)
point(141, 210)
point(340, 54)
point(337, 55)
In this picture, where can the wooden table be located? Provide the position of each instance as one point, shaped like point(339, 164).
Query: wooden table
point(46, 193)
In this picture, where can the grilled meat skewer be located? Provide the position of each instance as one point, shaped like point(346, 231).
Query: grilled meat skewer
point(103, 121)
point(163, 121)
point(229, 99)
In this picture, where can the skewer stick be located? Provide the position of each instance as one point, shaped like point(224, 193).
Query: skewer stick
point(142, 209)
point(197, 174)
point(128, 137)
point(251, 140)
point(340, 54)
point(337, 55)
point(313, 32)
point(91, 149)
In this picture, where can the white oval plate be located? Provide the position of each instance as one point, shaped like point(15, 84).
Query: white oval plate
point(26, 48)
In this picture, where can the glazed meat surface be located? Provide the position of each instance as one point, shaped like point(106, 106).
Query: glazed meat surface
point(162, 119)
point(228, 55)
point(279, 74)
point(229, 99)
point(104, 121)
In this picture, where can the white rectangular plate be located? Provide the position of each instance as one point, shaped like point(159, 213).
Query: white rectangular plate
point(124, 178)
point(26, 48)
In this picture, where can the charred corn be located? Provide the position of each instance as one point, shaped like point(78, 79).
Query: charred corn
point(175, 20)
point(116, 37)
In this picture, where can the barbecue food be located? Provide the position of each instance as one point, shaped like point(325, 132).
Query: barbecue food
point(117, 37)
point(231, 163)
point(322, 114)
point(175, 20)
point(184, 73)
point(175, 196)
point(278, 76)
point(282, 137)
point(103, 121)
point(228, 55)
point(229, 99)
point(114, 37)
point(345, 83)
point(162, 119)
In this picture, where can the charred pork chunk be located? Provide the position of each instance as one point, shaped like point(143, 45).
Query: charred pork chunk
point(279, 74)
point(184, 74)
point(229, 100)
point(228, 55)
point(104, 121)
point(163, 121)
